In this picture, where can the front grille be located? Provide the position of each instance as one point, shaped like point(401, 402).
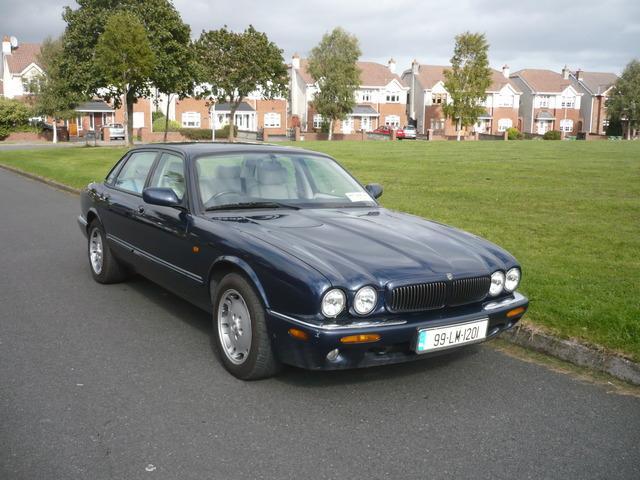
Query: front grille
point(434, 295)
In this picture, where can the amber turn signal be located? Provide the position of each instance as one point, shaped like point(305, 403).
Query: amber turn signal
point(364, 338)
point(515, 312)
point(299, 334)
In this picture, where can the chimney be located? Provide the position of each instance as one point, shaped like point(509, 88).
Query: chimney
point(415, 67)
point(565, 73)
point(392, 65)
point(295, 61)
point(505, 71)
point(579, 75)
point(6, 45)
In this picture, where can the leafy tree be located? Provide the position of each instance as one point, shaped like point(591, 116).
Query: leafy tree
point(623, 105)
point(13, 114)
point(333, 66)
point(168, 35)
point(233, 65)
point(52, 94)
point(467, 80)
point(125, 60)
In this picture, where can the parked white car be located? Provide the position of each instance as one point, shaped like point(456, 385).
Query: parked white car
point(116, 131)
point(409, 132)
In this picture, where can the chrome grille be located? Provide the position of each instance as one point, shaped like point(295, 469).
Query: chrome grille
point(434, 295)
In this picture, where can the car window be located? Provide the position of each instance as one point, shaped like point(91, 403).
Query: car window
point(134, 173)
point(170, 174)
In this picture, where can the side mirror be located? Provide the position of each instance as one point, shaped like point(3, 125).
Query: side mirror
point(164, 197)
point(375, 189)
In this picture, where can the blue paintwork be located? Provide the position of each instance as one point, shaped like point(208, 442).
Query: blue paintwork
point(294, 256)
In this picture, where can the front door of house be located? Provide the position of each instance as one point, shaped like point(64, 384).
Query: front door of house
point(543, 126)
point(347, 125)
point(365, 124)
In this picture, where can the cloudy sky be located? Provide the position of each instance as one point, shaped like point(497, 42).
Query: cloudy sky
point(593, 35)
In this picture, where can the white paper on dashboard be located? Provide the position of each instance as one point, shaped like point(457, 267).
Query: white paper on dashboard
point(358, 197)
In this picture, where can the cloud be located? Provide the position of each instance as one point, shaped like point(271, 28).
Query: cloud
point(592, 35)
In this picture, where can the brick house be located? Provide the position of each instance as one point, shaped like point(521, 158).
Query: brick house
point(596, 87)
point(91, 116)
point(428, 95)
point(381, 98)
point(19, 66)
point(550, 101)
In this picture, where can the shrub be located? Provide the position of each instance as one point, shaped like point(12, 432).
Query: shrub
point(159, 123)
point(156, 115)
point(514, 134)
point(205, 133)
point(552, 135)
point(13, 115)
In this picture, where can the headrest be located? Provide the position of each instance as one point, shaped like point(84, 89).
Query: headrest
point(228, 171)
point(271, 174)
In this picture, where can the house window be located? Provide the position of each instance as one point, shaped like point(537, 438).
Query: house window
point(568, 102)
point(191, 119)
point(392, 120)
point(438, 98)
point(437, 124)
point(504, 123)
point(544, 101)
point(92, 123)
point(317, 121)
point(505, 101)
point(79, 123)
point(365, 96)
point(393, 98)
point(566, 125)
point(272, 120)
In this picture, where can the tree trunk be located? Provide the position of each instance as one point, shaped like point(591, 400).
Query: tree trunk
point(166, 119)
point(458, 129)
point(129, 118)
point(55, 130)
point(330, 130)
point(232, 122)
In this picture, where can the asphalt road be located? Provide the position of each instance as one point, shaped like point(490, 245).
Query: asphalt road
point(120, 382)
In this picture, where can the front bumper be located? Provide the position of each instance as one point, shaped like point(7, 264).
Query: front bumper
point(398, 334)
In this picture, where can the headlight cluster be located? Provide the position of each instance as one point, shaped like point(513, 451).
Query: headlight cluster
point(335, 301)
point(501, 282)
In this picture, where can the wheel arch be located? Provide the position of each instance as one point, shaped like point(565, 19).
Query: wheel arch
point(92, 215)
point(228, 264)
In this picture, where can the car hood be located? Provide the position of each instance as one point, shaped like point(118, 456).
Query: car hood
point(355, 246)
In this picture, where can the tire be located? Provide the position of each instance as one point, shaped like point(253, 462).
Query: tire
point(106, 269)
point(245, 358)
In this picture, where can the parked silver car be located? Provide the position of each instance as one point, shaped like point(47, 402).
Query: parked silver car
point(116, 131)
point(409, 132)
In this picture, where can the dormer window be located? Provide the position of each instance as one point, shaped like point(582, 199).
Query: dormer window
point(438, 98)
point(568, 102)
point(365, 95)
point(393, 98)
point(544, 101)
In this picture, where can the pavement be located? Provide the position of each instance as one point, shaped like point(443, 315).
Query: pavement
point(120, 382)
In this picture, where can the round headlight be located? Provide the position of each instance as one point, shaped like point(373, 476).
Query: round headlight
point(365, 300)
point(333, 303)
point(497, 283)
point(512, 280)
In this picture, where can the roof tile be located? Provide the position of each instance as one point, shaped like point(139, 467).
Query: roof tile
point(23, 56)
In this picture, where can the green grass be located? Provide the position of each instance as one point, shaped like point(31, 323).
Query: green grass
point(569, 211)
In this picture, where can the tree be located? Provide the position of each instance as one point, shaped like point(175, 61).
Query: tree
point(52, 94)
point(467, 80)
point(168, 35)
point(623, 105)
point(233, 65)
point(125, 61)
point(333, 66)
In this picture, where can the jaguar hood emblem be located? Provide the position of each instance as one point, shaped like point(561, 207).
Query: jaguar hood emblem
point(450, 276)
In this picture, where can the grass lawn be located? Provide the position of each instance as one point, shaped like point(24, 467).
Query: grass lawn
point(569, 211)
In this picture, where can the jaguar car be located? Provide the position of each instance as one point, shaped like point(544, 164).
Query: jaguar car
point(296, 262)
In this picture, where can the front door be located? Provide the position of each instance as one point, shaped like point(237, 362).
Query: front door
point(347, 125)
point(543, 126)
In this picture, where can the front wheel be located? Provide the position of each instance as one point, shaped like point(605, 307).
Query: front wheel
point(240, 331)
point(105, 268)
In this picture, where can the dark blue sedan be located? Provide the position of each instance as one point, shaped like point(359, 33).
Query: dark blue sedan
point(296, 261)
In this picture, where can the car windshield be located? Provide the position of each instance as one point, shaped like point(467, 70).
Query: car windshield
point(275, 180)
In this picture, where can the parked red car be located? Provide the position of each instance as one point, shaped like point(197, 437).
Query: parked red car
point(386, 130)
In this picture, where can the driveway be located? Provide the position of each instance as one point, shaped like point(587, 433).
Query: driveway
point(119, 381)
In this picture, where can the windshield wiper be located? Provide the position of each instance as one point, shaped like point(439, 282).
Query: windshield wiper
point(249, 205)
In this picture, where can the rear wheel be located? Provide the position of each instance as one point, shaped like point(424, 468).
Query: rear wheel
point(240, 331)
point(105, 268)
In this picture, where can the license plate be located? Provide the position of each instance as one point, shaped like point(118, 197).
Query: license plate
point(439, 338)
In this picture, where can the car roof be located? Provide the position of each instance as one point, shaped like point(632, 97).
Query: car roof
point(193, 149)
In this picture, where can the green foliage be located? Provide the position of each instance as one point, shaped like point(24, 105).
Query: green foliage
point(614, 129)
point(624, 101)
point(514, 134)
point(156, 115)
point(234, 65)
point(13, 115)
point(161, 121)
point(468, 79)
point(552, 135)
point(333, 65)
point(205, 133)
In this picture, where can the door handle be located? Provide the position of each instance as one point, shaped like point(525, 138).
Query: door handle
point(140, 209)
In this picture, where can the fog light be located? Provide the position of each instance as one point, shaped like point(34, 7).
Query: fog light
point(364, 338)
point(333, 355)
point(515, 312)
point(299, 334)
